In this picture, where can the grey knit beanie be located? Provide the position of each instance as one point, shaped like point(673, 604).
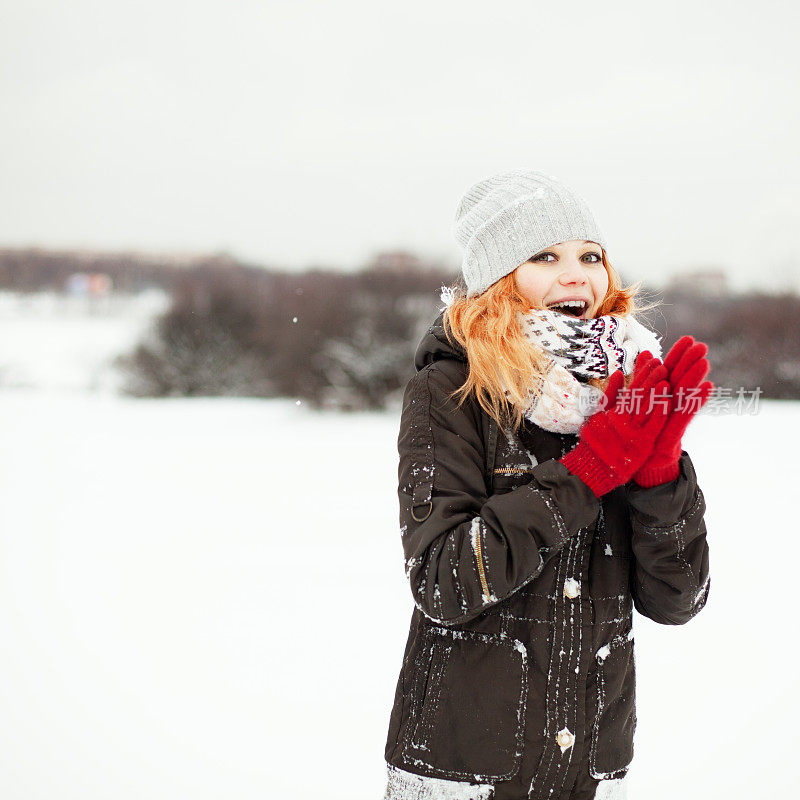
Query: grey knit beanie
point(504, 220)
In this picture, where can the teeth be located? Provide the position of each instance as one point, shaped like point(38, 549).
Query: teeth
point(570, 304)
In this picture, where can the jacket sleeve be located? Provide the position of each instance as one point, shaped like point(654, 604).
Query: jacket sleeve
point(464, 551)
point(670, 578)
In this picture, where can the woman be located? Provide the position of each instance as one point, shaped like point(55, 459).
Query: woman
point(544, 494)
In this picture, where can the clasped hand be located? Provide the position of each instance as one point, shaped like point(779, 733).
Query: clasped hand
point(638, 431)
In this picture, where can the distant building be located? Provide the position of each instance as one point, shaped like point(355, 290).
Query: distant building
point(88, 284)
point(395, 260)
point(707, 282)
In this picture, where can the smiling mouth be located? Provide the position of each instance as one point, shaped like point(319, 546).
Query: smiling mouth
point(572, 308)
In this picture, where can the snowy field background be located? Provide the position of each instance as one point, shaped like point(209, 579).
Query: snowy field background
point(206, 598)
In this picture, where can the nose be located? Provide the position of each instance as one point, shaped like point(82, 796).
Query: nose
point(573, 273)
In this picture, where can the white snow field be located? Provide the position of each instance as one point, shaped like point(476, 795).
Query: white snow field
point(206, 599)
point(50, 341)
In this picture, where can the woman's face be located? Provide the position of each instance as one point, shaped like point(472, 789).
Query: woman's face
point(570, 270)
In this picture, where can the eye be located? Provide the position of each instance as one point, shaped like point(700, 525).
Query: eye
point(540, 257)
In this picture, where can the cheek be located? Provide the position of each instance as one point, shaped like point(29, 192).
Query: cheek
point(532, 286)
point(600, 285)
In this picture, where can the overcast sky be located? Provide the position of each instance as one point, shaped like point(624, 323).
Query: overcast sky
point(297, 133)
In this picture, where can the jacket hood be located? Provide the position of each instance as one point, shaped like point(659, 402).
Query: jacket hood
point(435, 346)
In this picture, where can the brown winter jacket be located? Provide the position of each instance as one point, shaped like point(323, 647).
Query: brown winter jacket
point(518, 679)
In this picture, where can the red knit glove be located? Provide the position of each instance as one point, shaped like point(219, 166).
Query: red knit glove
point(616, 441)
point(687, 367)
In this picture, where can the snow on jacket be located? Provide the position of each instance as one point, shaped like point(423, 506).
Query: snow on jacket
point(518, 678)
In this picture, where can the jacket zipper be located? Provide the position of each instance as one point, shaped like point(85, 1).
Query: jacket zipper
point(512, 469)
point(481, 573)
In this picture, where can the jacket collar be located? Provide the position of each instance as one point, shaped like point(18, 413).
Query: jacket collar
point(435, 346)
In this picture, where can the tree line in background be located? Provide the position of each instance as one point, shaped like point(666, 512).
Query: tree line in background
point(346, 340)
point(38, 270)
point(330, 339)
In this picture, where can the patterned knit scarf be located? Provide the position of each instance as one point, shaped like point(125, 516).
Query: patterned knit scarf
point(580, 349)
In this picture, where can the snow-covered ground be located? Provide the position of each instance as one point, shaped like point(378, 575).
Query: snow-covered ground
point(50, 341)
point(206, 598)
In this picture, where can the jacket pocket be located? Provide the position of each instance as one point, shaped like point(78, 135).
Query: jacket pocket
point(611, 750)
point(466, 710)
point(506, 478)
